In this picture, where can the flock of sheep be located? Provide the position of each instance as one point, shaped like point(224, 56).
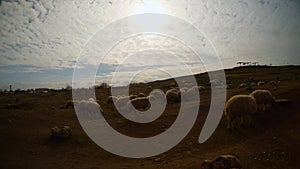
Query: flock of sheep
point(238, 106)
point(242, 105)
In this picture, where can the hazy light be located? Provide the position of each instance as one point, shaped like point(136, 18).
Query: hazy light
point(146, 23)
point(148, 7)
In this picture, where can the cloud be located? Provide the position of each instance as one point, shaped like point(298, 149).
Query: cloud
point(39, 36)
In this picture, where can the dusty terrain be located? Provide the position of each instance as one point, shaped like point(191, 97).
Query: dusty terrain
point(25, 137)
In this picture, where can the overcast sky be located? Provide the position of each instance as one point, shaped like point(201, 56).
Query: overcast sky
point(41, 40)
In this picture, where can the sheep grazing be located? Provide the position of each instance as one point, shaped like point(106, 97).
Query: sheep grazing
point(260, 83)
point(273, 83)
point(138, 103)
point(182, 94)
point(71, 103)
point(90, 107)
point(253, 84)
point(121, 103)
point(242, 85)
point(229, 86)
point(141, 95)
point(264, 99)
point(93, 100)
point(111, 99)
point(173, 90)
point(176, 88)
point(192, 93)
point(133, 97)
point(148, 89)
point(201, 88)
point(172, 96)
point(156, 96)
point(61, 133)
point(173, 84)
point(239, 106)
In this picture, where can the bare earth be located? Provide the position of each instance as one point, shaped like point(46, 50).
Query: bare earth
point(25, 137)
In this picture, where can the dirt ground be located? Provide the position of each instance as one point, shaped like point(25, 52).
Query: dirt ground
point(274, 142)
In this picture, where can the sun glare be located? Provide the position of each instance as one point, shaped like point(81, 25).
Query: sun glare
point(149, 23)
point(148, 7)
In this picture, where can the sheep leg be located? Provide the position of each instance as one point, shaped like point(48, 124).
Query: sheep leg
point(242, 122)
point(229, 123)
point(264, 107)
point(251, 120)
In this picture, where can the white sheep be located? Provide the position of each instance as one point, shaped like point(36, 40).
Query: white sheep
point(229, 86)
point(242, 85)
point(239, 106)
point(176, 88)
point(173, 89)
point(273, 83)
point(138, 103)
point(141, 95)
point(264, 99)
point(253, 84)
point(157, 96)
point(121, 103)
point(173, 84)
point(182, 94)
point(172, 96)
point(133, 97)
point(90, 107)
point(260, 83)
point(111, 99)
point(186, 94)
point(71, 103)
point(192, 93)
point(148, 89)
point(201, 88)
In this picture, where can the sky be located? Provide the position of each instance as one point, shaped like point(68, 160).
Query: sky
point(41, 42)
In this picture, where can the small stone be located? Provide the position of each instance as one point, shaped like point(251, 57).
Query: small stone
point(157, 159)
point(224, 161)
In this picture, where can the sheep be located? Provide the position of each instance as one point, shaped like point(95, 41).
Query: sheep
point(260, 83)
point(61, 133)
point(182, 93)
point(93, 100)
point(156, 96)
point(239, 106)
point(229, 86)
point(273, 83)
point(188, 94)
point(121, 103)
point(93, 108)
point(72, 103)
point(253, 84)
point(264, 99)
point(111, 99)
point(90, 107)
point(176, 88)
point(173, 90)
point(192, 93)
point(172, 96)
point(141, 95)
point(242, 85)
point(148, 89)
point(138, 103)
point(173, 84)
point(213, 83)
point(201, 88)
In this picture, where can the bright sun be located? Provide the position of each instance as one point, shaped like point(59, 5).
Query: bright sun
point(149, 23)
point(148, 7)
